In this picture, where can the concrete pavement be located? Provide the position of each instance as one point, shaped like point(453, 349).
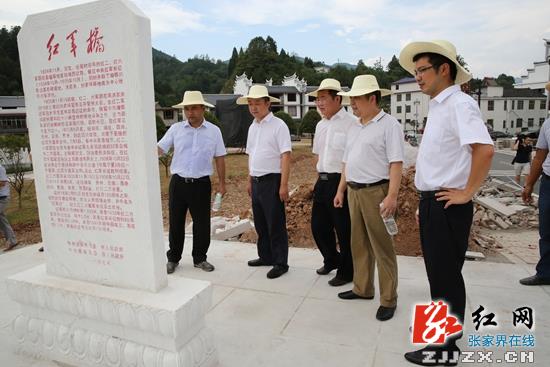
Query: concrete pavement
point(297, 320)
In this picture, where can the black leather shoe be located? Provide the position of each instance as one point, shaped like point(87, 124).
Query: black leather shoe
point(534, 280)
point(171, 267)
point(258, 262)
point(324, 270)
point(337, 281)
point(431, 356)
point(385, 313)
point(276, 271)
point(205, 265)
point(351, 295)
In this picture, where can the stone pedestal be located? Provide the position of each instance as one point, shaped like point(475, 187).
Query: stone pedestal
point(86, 324)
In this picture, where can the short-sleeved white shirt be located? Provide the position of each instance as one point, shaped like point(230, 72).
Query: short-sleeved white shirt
point(543, 142)
point(4, 190)
point(372, 147)
point(267, 140)
point(445, 156)
point(330, 141)
point(194, 148)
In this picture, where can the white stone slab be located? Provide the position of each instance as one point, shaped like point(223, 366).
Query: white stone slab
point(81, 323)
point(87, 77)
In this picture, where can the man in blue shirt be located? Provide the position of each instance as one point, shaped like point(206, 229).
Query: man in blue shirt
point(4, 200)
point(196, 143)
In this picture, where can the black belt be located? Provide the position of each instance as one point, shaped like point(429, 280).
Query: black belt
point(545, 175)
point(323, 176)
point(428, 194)
point(358, 185)
point(3, 197)
point(194, 180)
point(264, 177)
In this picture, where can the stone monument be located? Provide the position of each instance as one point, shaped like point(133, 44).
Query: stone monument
point(103, 297)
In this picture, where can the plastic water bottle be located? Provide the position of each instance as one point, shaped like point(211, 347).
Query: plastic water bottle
point(389, 222)
point(217, 202)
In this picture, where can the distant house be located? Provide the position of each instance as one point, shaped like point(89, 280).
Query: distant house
point(292, 93)
point(13, 115)
point(509, 110)
point(169, 115)
point(539, 74)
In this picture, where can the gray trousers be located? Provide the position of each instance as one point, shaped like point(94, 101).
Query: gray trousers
point(4, 224)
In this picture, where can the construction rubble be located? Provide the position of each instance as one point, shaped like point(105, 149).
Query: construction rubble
point(498, 205)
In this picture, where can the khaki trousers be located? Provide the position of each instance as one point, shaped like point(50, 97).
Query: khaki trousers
point(370, 243)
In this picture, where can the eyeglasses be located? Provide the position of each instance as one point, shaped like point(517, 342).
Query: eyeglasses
point(422, 70)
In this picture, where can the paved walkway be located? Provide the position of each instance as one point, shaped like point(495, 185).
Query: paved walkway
point(297, 320)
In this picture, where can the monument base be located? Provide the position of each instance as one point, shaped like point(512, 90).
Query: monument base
point(86, 324)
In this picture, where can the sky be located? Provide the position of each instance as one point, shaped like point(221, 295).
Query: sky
point(493, 36)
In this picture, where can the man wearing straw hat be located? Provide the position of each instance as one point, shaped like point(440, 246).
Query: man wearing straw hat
point(196, 142)
point(373, 163)
point(541, 166)
point(453, 161)
point(327, 221)
point(268, 147)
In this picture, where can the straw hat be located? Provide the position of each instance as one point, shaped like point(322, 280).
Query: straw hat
point(439, 47)
point(365, 84)
point(192, 97)
point(256, 91)
point(330, 84)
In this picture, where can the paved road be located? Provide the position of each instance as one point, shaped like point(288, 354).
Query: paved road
point(502, 167)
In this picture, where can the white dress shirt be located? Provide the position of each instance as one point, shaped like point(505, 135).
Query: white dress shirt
point(543, 142)
point(330, 141)
point(445, 156)
point(194, 148)
point(267, 140)
point(372, 147)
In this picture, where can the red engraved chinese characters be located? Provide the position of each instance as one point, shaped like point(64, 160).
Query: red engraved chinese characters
point(53, 48)
point(94, 41)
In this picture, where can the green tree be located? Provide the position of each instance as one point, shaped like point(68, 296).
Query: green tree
point(287, 119)
point(10, 69)
point(209, 116)
point(161, 127)
point(232, 61)
point(11, 155)
point(505, 81)
point(395, 71)
point(309, 122)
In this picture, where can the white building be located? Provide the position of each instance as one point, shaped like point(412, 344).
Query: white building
point(292, 93)
point(509, 110)
point(13, 115)
point(539, 74)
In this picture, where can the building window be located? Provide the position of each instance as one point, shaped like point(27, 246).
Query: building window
point(407, 97)
point(398, 98)
point(519, 122)
point(512, 124)
point(542, 103)
point(541, 121)
point(407, 122)
point(311, 99)
point(520, 105)
point(505, 105)
point(490, 122)
point(398, 109)
point(293, 111)
point(168, 114)
point(291, 97)
point(531, 104)
point(513, 105)
point(504, 124)
point(491, 105)
point(407, 108)
point(397, 87)
point(530, 122)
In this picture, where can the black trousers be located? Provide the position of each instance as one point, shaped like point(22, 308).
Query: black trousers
point(444, 238)
point(270, 220)
point(329, 223)
point(195, 197)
